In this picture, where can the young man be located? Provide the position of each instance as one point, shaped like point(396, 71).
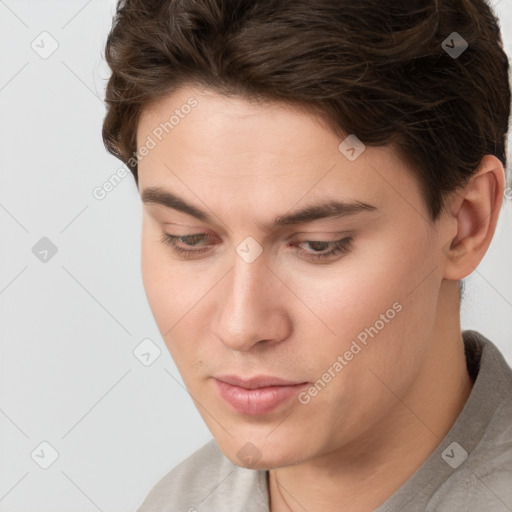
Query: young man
point(317, 177)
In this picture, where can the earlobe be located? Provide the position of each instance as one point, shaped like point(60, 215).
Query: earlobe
point(476, 210)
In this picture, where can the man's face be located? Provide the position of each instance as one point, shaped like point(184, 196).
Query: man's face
point(257, 298)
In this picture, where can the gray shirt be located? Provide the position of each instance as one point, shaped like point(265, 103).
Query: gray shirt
point(470, 471)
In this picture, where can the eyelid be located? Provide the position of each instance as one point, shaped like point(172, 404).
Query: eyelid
point(163, 214)
point(317, 236)
point(200, 229)
point(336, 235)
point(339, 248)
point(312, 236)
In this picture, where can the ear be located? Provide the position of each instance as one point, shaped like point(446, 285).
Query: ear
point(471, 219)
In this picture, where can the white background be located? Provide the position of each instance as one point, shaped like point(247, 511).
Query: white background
point(69, 326)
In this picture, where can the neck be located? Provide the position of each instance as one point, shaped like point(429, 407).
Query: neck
point(362, 475)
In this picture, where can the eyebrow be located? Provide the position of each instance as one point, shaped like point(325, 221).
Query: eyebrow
point(316, 211)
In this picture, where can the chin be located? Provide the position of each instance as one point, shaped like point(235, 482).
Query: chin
point(261, 455)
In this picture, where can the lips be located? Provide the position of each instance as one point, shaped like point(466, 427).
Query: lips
point(258, 381)
point(257, 395)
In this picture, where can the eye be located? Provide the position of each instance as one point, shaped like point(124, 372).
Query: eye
point(187, 246)
point(330, 248)
point(188, 240)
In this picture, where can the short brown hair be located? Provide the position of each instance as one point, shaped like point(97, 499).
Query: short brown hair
point(373, 68)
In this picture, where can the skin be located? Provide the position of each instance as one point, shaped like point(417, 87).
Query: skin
point(245, 163)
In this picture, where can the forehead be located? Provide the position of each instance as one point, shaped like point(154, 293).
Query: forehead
point(243, 125)
point(232, 146)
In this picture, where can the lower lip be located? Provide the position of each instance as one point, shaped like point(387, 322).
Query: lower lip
point(257, 401)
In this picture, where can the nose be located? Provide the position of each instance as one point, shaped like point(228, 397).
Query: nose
point(251, 306)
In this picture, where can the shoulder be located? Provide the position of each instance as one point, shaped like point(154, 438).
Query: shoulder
point(208, 480)
point(471, 468)
point(483, 480)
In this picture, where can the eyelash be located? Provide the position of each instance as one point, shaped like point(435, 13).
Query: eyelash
point(342, 246)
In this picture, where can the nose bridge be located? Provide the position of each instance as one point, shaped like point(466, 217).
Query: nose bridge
point(249, 309)
point(246, 289)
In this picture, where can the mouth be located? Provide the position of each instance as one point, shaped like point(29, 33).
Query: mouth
point(257, 395)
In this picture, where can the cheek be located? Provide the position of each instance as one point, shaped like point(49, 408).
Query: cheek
point(350, 294)
point(162, 291)
point(173, 292)
point(150, 267)
point(384, 294)
point(158, 283)
point(382, 310)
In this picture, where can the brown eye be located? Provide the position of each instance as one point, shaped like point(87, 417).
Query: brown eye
point(188, 240)
point(336, 247)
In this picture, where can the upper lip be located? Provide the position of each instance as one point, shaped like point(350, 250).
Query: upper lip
point(258, 381)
